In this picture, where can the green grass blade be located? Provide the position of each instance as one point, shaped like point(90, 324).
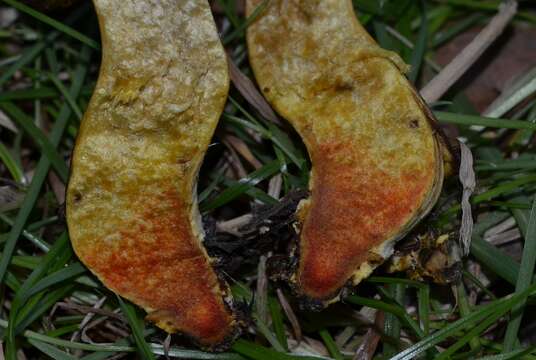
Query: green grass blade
point(330, 344)
point(31, 53)
point(17, 303)
point(493, 258)
point(72, 271)
point(26, 57)
point(277, 321)
point(390, 308)
point(524, 279)
point(11, 165)
point(258, 352)
point(468, 120)
point(516, 354)
point(137, 329)
point(35, 187)
point(63, 90)
point(54, 23)
point(250, 181)
point(52, 351)
point(419, 50)
point(49, 150)
point(240, 30)
point(466, 322)
point(424, 308)
point(512, 96)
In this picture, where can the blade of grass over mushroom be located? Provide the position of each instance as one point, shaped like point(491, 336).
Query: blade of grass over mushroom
point(524, 279)
point(54, 23)
point(468, 120)
point(41, 170)
point(39, 137)
point(136, 325)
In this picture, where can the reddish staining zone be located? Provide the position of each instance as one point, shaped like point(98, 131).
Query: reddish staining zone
point(157, 263)
point(354, 208)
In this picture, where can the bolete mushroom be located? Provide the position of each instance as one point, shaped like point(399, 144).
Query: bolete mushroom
point(377, 160)
point(131, 200)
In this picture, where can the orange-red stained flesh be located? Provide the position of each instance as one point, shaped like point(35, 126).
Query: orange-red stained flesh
point(377, 162)
point(131, 205)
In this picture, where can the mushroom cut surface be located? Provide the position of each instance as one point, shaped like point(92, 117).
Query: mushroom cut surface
point(131, 200)
point(377, 162)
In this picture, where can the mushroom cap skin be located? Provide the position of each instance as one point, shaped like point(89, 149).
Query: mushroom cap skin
point(377, 161)
point(131, 200)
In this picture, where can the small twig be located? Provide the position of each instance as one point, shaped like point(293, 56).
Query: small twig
point(249, 91)
point(6, 122)
point(243, 149)
point(166, 346)
point(291, 316)
point(86, 320)
point(261, 298)
point(468, 56)
point(58, 187)
point(233, 160)
point(504, 237)
point(501, 227)
point(371, 339)
point(274, 186)
point(232, 226)
point(89, 309)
